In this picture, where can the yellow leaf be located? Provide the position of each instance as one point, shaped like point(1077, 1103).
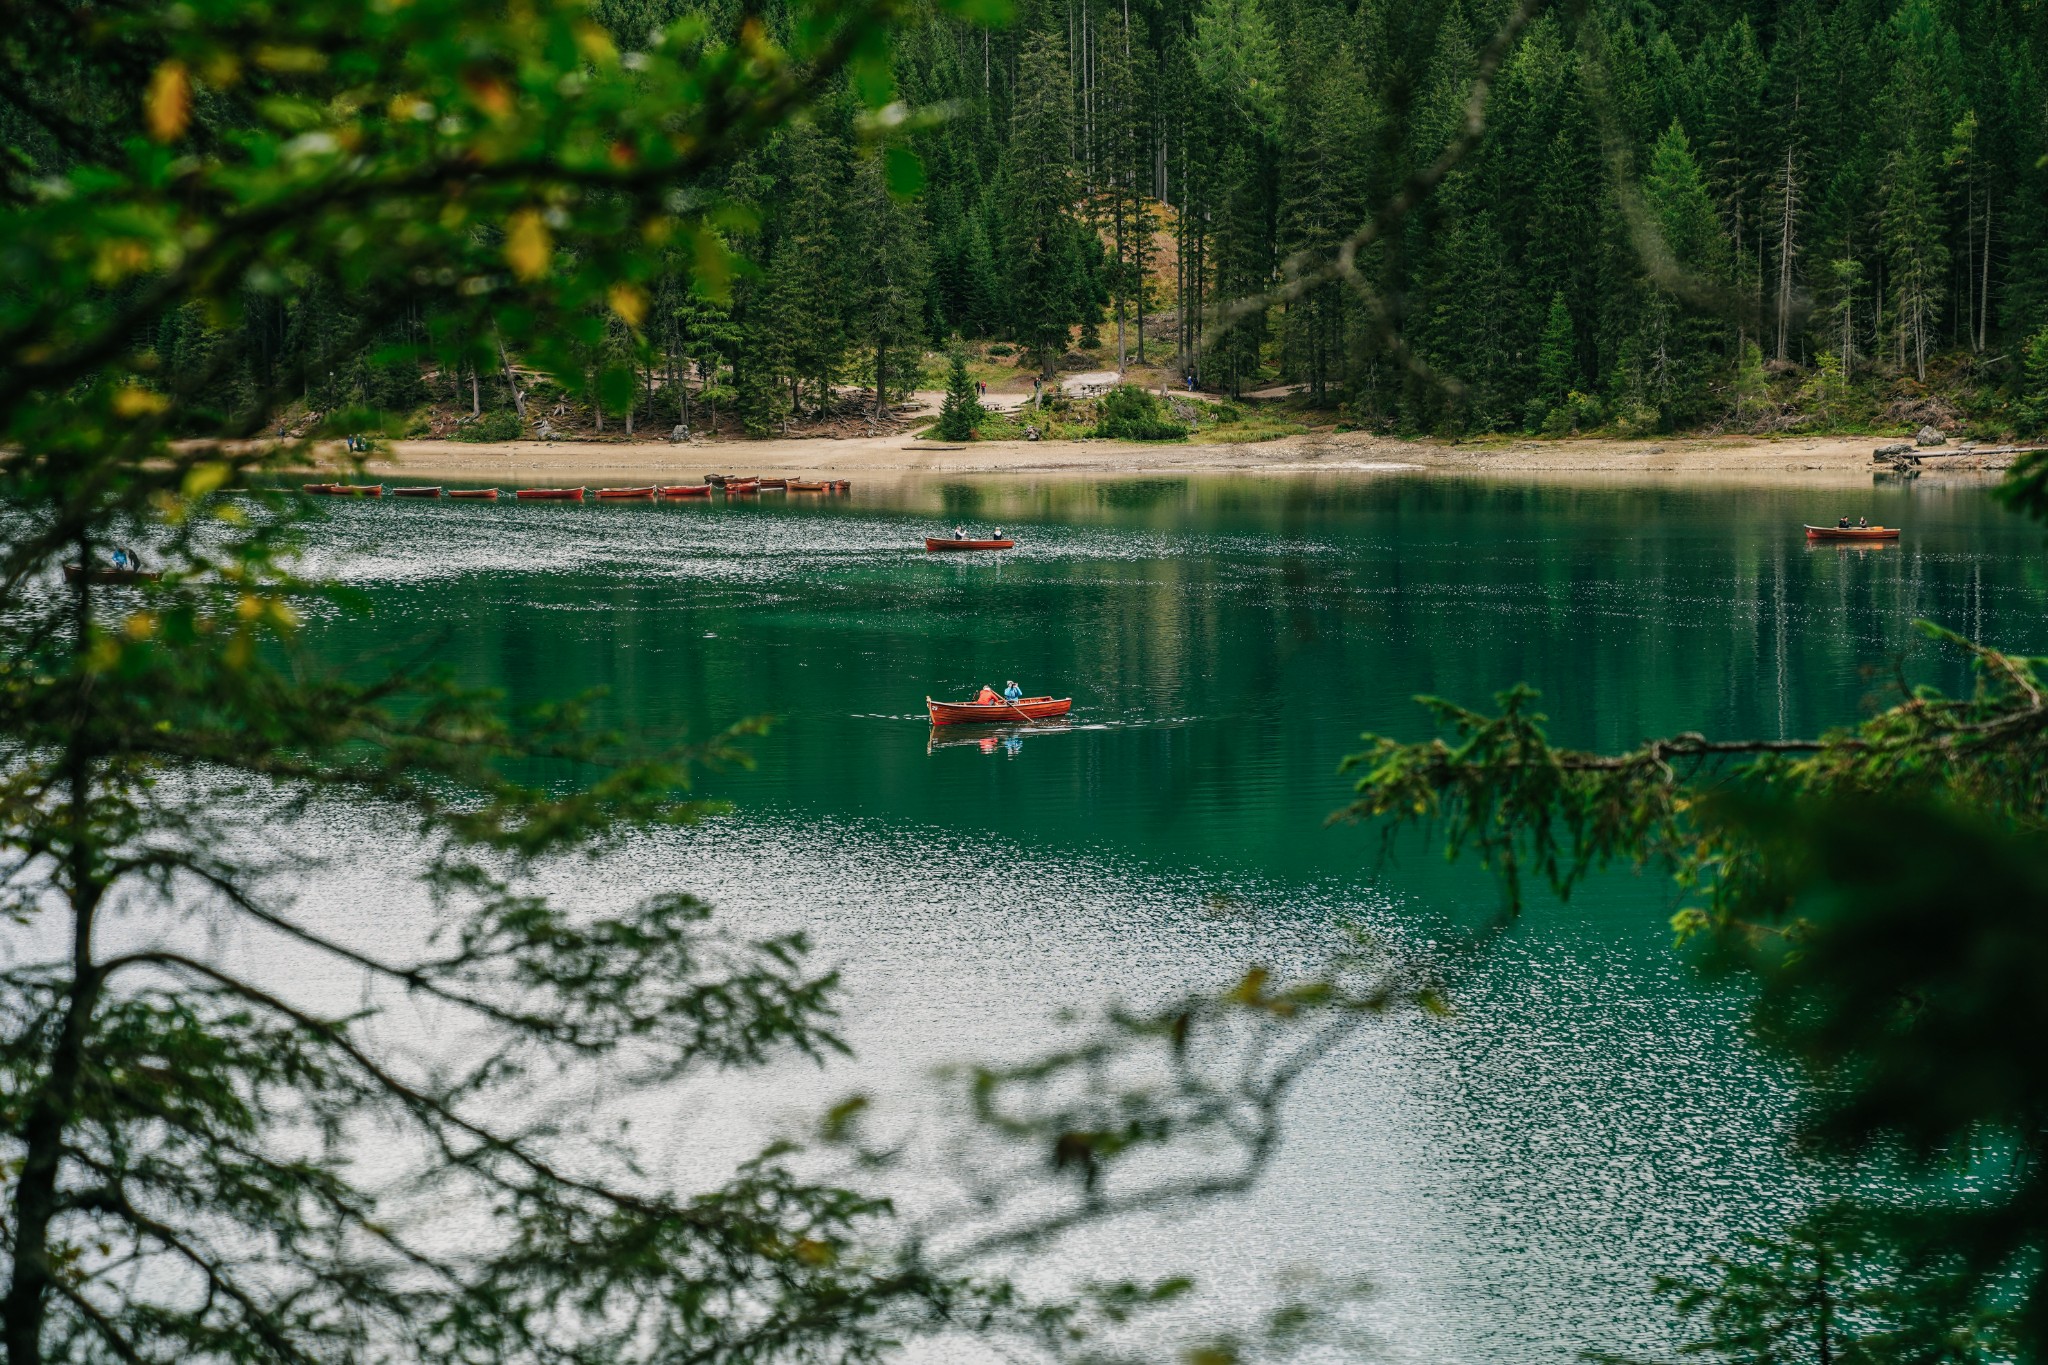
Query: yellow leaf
point(1251, 990)
point(202, 479)
point(490, 94)
point(528, 245)
point(596, 44)
point(222, 70)
point(117, 259)
point(290, 57)
point(167, 103)
point(629, 301)
point(131, 403)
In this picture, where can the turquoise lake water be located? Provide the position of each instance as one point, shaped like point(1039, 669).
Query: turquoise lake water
point(1510, 1178)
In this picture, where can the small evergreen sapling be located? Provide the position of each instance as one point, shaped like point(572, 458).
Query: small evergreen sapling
point(962, 412)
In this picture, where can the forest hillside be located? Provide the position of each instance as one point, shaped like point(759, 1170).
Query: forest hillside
point(1681, 215)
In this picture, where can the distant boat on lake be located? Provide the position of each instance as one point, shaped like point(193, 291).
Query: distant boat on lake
point(933, 544)
point(1852, 533)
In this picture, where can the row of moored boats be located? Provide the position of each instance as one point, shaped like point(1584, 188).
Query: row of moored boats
point(730, 485)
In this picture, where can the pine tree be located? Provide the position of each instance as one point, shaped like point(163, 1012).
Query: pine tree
point(887, 270)
point(1688, 255)
point(1556, 368)
point(961, 413)
point(1327, 118)
point(805, 298)
point(1041, 243)
point(1915, 254)
point(2034, 380)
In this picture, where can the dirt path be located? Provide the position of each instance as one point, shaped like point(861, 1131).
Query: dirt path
point(1720, 459)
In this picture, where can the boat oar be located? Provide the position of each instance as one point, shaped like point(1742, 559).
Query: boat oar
point(1028, 717)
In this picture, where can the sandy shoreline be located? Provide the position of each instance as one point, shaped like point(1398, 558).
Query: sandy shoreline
point(1718, 459)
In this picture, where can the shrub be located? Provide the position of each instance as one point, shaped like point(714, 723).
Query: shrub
point(2034, 380)
point(1577, 412)
point(1129, 413)
point(492, 426)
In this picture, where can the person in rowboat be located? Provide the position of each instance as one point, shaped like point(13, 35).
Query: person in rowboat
point(988, 696)
point(1012, 693)
point(960, 532)
point(1863, 523)
point(1842, 523)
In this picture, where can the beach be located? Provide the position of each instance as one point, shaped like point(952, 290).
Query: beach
point(528, 462)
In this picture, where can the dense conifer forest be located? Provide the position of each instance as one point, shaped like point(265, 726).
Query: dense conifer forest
point(1681, 215)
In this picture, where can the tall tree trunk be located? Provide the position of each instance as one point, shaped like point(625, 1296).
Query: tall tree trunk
point(32, 1277)
point(1787, 247)
point(511, 380)
point(1984, 292)
point(476, 394)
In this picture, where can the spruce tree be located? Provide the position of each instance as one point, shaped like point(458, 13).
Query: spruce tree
point(805, 298)
point(961, 413)
point(1916, 256)
point(1042, 264)
point(1687, 256)
point(887, 271)
point(1556, 368)
point(2033, 405)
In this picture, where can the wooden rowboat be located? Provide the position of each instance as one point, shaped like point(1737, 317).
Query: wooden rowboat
point(73, 574)
point(549, 495)
point(733, 490)
point(1852, 533)
point(972, 713)
point(773, 485)
point(687, 490)
point(933, 546)
point(319, 488)
point(433, 492)
point(483, 494)
point(797, 486)
point(841, 485)
point(621, 494)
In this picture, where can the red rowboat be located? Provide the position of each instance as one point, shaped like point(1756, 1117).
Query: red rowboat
point(995, 713)
point(932, 546)
point(734, 489)
point(798, 487)
point(619, 493)
point(770, 485)
point(319, 488)
point(841, 486)
point(1852, 533)
point(484, 494)
point(687, 490)
point(357, 490)
point(549, 495)
point(73, 574)
point(433, 492)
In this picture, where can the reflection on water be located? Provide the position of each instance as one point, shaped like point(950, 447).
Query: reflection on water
point(1511, 1177)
